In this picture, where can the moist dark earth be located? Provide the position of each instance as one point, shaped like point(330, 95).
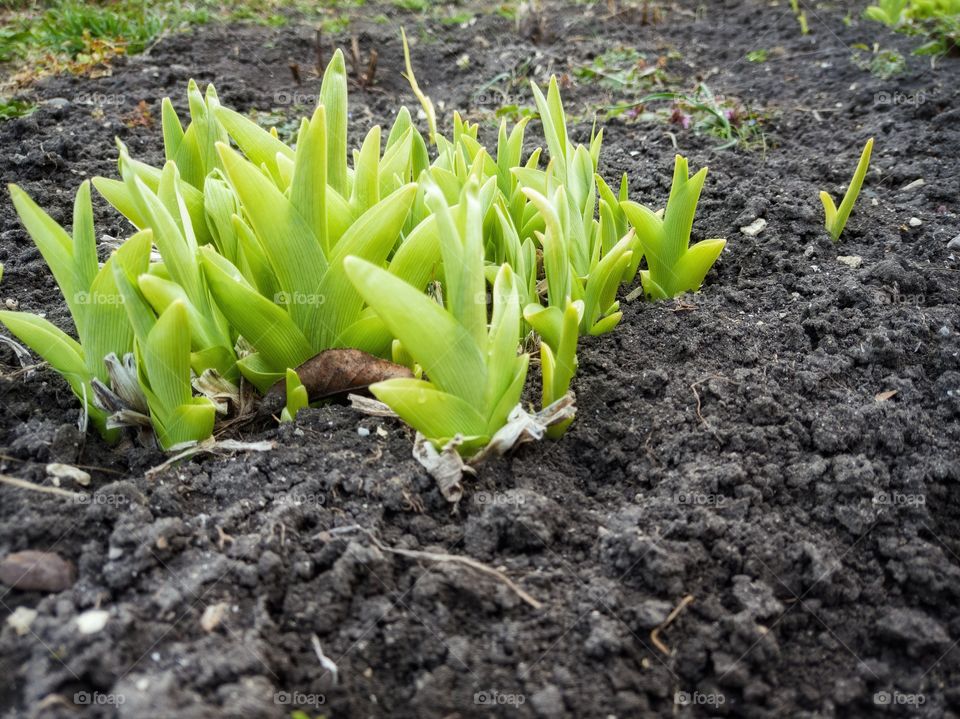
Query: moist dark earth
point(737, 454)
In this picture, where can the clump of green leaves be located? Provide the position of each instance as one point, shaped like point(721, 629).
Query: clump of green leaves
point(674, 266)
point(936, 20)
point(95, 304)
point(836, 218)
point(253, 256)
point(476, 375)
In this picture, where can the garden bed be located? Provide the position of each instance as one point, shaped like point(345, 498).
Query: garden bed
point(782, 448)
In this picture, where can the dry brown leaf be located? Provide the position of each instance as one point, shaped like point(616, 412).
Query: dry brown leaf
point(334, 373)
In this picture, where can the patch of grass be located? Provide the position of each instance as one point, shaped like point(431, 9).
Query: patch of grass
point(412, 5)
point(938, 21)
point(883, 64)
point(623, 70)
point(10, 109)
point(757, 56)
point(703, 112)
point(38, 39)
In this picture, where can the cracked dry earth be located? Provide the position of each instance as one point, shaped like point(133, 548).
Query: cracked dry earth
point(742, 521)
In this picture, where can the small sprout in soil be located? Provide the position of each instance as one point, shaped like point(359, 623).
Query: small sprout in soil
point(559, 331)
point(296, 397)
point(674, 266)
point(801, 17)
point(836, 219)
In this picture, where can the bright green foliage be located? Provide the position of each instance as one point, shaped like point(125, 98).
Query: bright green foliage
point(560, 330)
point(91, 295)
point(836, 219)
point(475, 374)
point(674, 266)
point(163, 362)
point(937, 20)
point(297, 397)
point(889, 12)
point(252, 256)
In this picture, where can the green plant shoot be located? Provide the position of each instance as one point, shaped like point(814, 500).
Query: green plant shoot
point(836, 219)
point(674, 266)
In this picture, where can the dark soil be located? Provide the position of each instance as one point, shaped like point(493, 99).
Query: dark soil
point(729, 447)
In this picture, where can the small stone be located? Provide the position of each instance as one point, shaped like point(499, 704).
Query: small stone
point(915, 222)
point(854, 261)
point(11, 304)
point(66, 471)
point(754, 228)
point(21, 619)
point(913, 185)
point(58, 102)
point(363, 431)
point(954, 244)
point(92, 621)
point(212, 616)
point(33, 571)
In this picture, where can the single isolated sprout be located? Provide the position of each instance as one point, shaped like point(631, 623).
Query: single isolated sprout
point(674, 266)
point(836, 219)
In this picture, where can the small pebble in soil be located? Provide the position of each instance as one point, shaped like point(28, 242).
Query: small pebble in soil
point(754, 228)
point(35, 571)
point(363, 431)
point(21, 619)
point(65, 471)
point(915, 222)
point(954, 244)
point(854, 261)
point(92, 621)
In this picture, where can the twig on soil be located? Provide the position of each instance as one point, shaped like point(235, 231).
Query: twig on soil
point(11, 458)
point(696, 394)
point(434, 557)
point(655, 634)
point(325, 661)
point(213, 446)
point(23, 484)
